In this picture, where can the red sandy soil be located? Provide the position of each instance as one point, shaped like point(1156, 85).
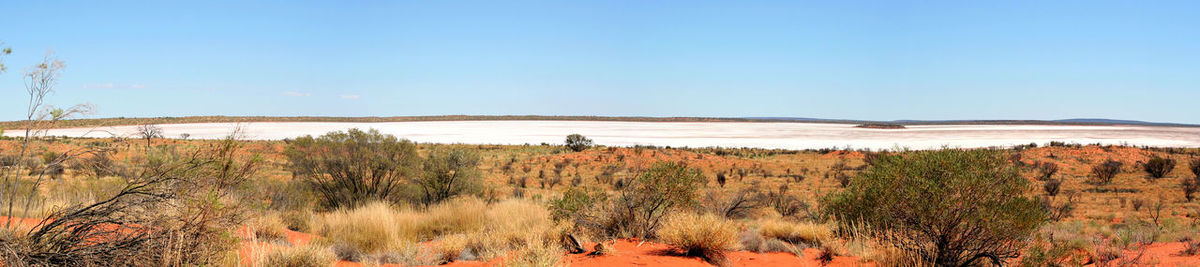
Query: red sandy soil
point(634, 253)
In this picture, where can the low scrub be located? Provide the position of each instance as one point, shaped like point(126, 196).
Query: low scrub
point(1159, 167)
point(1103, 173)
point(916, 202)
point(706, 236)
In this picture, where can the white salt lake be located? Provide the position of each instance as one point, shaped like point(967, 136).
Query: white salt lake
point(690, 134)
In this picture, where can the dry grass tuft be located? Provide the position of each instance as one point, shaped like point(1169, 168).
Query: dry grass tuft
point(449, 248)
point(539, 253)
point(303, 256)
point(602, 249)
point(806, 233)
point(269, 226)
point(706, 236)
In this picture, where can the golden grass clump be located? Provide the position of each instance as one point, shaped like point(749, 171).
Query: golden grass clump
point(269, 226)
point(807, 233)
point(450, 247)
point(302, 256)
point(538, 253)
point(459, 215)
point(706, 236)
point(513, 224)
point(375, 227)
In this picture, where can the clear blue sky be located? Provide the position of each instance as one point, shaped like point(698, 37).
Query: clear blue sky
point(873, 60)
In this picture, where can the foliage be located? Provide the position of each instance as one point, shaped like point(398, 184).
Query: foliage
point(577, 142)
point(351, 168)
point(448, 173)
point(641, 206)
point(1158, 167)
point(1104, 172)
point(951, 207)
point(1046, 170)
point(177, 212)
point(575, 202)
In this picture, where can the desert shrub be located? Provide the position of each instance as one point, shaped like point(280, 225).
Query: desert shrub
point(1046, 170)
point(178, 211)
point(950, 207)
point(302, 256)
point(577, 142)
point(1104, 172)
point(1190, 186)
point(646, 200)
point(1191, 248)
point(351, 168)
point(733, 205)
point(1194, 166)
point(1158, 167)
point(785, 203)
point(449, 173)
point(100, 164)
point(576, 203)
point(706, 236)
point(1052, 186)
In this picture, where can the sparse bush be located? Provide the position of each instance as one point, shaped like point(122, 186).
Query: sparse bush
point(448, 174)
point(1052, 186)
point(576, 203)
point(1194, 166)
point(645, 201)
point(918, 203)
point(1104, 172)
point(1158, 167)
point(1046, 170)
point(351, 168)
point(577, 142)
point(706, 236)
point(1190, 186)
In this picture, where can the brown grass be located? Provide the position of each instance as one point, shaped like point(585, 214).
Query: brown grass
point(706, 236)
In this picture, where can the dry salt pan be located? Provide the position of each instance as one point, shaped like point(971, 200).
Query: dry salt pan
point(690, 134)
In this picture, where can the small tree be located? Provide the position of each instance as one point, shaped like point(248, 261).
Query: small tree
point(149, 132)
point(1190, 186)
point(948, 207)
point(448, 174)
point(647, 199)
point(577, 142)
point(349, 168)
point(1046, 170)
point(1195, 167)
point(1104, 172)
point(1158, 167)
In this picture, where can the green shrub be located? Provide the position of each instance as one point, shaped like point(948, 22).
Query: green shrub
point(952, 207)
point(1104, 172)
point(575, 202)
point(1158, 167)
point(1195, 168)
point(577, 142)
point(449, 173)
point(347, 169)
point(646, 200)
